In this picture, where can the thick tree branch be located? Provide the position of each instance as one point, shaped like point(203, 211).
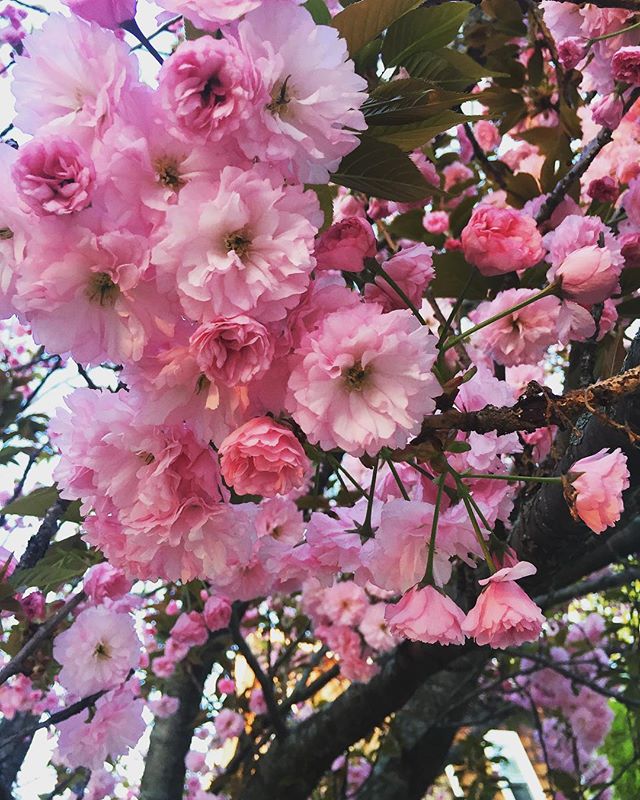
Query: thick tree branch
point(601, 583)
point(39, 543)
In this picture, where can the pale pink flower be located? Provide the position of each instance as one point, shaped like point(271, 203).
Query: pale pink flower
point(626, 65)
point(101, 784)
point(576, 232)
point(344, 603)
point(571, 51)
point(232, 351)
point(207, 89)
point(210, 15)
point(396, 558)
point(501, 240)
point(594, 487)
point(105, 582)
point(89, 295)
point(54, 175)
point(345, 245)
point(229, 724)
point(97, 651)
point(216, 612)
point(436, 222)
point(487, 135)
point(116, 726)
point(363, 380)
point(412, 269)
point(607, 111)
point(190, 630)
point(79, 87)
point(241, 246)
point(522, 336)
point(14, 224)
point(108, 13)
point(165, 706)
point(504, 615)
point(427, 615)
point(279, 518)
point(375, 629)
point(263, 457)
point(587, 275)
point(312, 115)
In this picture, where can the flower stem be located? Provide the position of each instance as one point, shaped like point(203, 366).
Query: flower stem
point(548, 290)
point(529, 478)
point(372, 489)
point(337, 465)
point(612, 34)
point(428, 577)
point(132, 27)
point(401, 485)
point(379, 271)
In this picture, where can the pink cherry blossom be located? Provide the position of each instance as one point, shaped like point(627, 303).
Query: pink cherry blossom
point(626, 65)
point(426, 615)
point(587, 275)
point(104, 582)
point(504, 615)
point(375, 628)
point(229, 724)
point(210, 14)
point(53, 175)
point(233, 351)
point(190, 630)
point(165, 706)
point(216, 613)
point(97, 651)
point(116, 726)
point(207, 89)
point(108, 13)
point(595, 487)
point(310, 120)
point(79, 87)
point(345, 245)
point(263, 457)
point(412, 269)
point(363, 380)
point(519, 337)
point(501, 240)
point(242, 246)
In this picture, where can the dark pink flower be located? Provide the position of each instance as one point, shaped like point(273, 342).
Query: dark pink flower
point(345, 245)
point(626, 65)
point(501, 240)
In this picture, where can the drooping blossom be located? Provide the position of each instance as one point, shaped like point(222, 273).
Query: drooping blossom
point(241, 246)
point(108, 13)
point(504, 615)
point(522, 336)
point(312, 115)
point(97, 651)
point(53, 175)
point(501, 240)
point(594, 487)
point(104, 582)
point(345, 245)
point(263, 457)
point(216, 612)
point(587, 275)
point(363, 380)
point(116, 726)
point(411, 268)
point(427, 615)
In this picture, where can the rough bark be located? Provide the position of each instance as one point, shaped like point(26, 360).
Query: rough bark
point(164, 772)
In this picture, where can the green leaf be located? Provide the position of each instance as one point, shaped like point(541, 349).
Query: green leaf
point(409, 137)
point(453, 274)
point(405, 101)
point(363, 21)
point(38, 502)
point(425, 29)
point(64, 561)
point(449, 68)
point(318, 11)
point(8, 454)
point(382, 170)
point(326, 195)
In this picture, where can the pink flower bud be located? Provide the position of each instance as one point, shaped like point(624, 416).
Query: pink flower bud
point(626, 65)
point(604, 190)
point(571, 51)
point(345, 245)
point(217, 613)
point(501, 240)
point(588, 275)
point(607, 111)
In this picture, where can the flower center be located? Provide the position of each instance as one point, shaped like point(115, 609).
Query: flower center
point(102, 289)
point(102, 651)
point(209, 93)
point(280, 97)
point(355, 377)
point(6, 233)
point(239, 242)
point(168, 173)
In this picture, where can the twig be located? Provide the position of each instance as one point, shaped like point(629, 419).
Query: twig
point(589, 586)
point(41, 635)
point(39, 543)
point(266, 685)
